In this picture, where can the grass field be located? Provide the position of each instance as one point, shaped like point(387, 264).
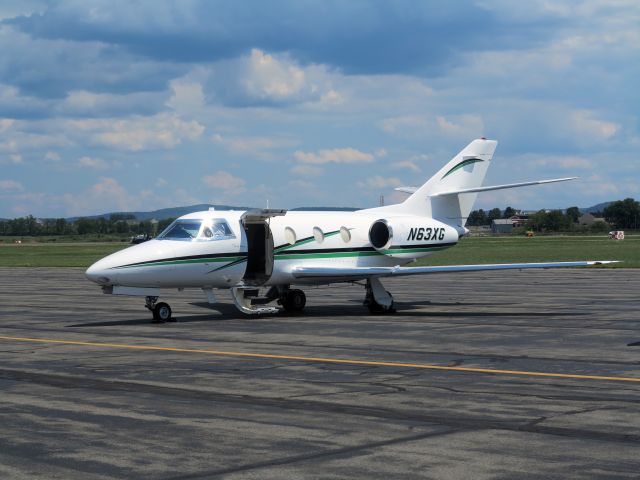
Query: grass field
point(539, 249)
point(474, 250)
point(55, 255)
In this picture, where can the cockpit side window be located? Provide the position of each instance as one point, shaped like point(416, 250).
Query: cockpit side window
point(182, 230)
point(216, 229)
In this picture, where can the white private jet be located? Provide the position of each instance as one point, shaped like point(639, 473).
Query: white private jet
point(246, 251)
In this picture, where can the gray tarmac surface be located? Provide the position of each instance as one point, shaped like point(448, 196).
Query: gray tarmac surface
point(87, 411)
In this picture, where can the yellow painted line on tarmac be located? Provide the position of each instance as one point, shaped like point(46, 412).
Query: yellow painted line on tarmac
point(371, 363)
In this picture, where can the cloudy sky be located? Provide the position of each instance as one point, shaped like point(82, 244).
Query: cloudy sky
point(122, 105)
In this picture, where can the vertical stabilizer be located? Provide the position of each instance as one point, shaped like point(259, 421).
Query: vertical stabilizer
point(466, 170)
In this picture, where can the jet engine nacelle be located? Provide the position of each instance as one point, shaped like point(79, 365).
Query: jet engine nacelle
point(411, 237)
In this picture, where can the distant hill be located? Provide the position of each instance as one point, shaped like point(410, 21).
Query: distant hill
point(164, 212)
point(596, 208)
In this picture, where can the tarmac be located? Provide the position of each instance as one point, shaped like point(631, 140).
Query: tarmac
point(486, 375)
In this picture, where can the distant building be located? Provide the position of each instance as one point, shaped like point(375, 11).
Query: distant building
point(518, 220)
point(589, 219)
point(502, 225)
point(506, 225)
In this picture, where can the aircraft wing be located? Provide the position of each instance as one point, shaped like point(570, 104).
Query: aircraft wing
point(348, 273)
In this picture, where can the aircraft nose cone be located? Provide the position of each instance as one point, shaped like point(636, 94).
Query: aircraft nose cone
point(98, 274)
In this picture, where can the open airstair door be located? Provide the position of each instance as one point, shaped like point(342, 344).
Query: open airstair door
point(259, 245)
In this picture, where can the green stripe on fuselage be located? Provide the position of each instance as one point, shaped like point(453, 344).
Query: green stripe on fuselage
point(290, 255)
point(188, 261)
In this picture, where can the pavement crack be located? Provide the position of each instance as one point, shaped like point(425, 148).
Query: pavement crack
point(351, 451)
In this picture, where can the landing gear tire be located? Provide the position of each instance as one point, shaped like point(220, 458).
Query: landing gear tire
point(162, 312)
point(294, 301)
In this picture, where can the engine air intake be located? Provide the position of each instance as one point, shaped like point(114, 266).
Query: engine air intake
point(380, 234)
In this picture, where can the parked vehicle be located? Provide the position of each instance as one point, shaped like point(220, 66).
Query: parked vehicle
point(140, 239)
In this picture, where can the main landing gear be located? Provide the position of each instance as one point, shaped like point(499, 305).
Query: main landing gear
point(161, 311)
point(377, 299)
point(249, 301)
point(293, 301)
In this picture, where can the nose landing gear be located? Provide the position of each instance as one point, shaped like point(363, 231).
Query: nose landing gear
point(161, 311)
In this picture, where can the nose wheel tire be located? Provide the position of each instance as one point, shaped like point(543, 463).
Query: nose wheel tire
point(294, 301)
point(162, 312)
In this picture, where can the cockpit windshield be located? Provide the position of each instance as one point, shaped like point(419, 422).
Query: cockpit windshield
point(199, 230)
point(182, 230)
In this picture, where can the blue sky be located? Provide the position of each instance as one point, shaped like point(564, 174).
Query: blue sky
point(123, 105)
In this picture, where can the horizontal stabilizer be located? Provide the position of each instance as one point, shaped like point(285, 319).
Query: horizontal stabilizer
point(496, 187)
point(350, 273)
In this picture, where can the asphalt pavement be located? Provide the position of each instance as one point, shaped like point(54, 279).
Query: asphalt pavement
point(486, 375)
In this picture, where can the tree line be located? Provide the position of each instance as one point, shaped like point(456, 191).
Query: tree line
point(622, 214)
point(116, 224)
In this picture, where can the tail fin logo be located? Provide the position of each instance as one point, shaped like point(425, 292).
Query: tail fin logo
point(462, 164)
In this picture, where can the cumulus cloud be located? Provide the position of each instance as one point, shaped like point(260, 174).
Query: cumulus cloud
point(258, 146)
point(306, 170)
point(52, 157)
point(401, 123)
point(568, 162)
point(14, 103)
point(162, 131)
point(26, 137)
point(335, 155)
point(261, 78)
point(225, 181)
point(10, 186)
point(12, 158)
point(6, 124)
point(104, 196)
point(468, 125)
point(272, 78)
point(91, 162)
point(586, 124)
point(378, 181)
point(301, 184)
point(86, 103)
point(460, 126)
point(187, 96)
point(406, 165)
